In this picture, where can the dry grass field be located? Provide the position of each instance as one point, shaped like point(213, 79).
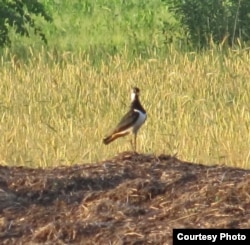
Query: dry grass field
point(129, 199)
point(56, 110)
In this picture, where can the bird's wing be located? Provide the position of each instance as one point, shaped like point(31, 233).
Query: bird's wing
point(127, 121)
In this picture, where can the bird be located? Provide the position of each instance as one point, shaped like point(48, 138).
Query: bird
point(130, 122)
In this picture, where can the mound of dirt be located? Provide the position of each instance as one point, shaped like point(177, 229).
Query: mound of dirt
point(130, 199)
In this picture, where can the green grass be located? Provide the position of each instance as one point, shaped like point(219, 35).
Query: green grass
point(101, 27)
point(56, 109)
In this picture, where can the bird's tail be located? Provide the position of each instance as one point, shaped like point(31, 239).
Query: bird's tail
point(108, 139)
point(113, 136)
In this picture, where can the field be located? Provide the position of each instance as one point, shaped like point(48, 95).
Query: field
point(59, 101)
point(129, 199)
point(56, 111)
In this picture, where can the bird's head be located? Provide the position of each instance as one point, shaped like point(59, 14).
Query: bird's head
point(134, 93)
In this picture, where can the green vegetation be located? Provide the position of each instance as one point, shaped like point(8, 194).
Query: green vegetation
point(213, 21)
point(101, 28)
point(141, 27)
point(19, 15)
point(58, 101)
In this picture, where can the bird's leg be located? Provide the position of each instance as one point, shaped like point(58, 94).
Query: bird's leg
point(131, 142)
point(135, 143)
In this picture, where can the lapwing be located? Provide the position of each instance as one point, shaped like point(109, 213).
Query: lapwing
point(131, 121)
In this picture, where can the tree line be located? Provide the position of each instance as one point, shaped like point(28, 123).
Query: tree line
point(201, 22)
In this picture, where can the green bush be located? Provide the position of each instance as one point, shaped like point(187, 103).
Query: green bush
point(214, 21)
point(19, 14)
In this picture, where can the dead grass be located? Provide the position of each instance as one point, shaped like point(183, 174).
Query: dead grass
point(56, 110)
point(129, 199)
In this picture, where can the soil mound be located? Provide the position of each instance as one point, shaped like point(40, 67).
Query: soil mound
point(130, 199)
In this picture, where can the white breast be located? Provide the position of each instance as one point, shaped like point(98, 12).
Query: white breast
point(140, 121)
